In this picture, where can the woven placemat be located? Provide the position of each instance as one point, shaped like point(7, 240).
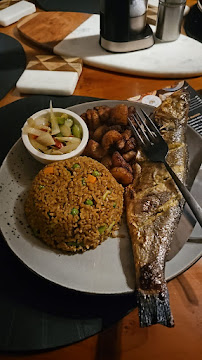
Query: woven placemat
point(12, 63)
point(36, 314)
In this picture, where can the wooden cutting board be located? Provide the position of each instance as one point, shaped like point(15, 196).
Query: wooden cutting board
point(47, 29)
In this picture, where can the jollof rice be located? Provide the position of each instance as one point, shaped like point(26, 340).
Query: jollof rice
point(74, 205)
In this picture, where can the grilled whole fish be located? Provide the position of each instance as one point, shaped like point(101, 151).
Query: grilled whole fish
point(153, 209)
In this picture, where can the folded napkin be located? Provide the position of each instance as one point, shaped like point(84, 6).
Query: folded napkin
point(50, 75)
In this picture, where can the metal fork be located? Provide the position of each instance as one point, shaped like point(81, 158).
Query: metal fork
point(155, 148)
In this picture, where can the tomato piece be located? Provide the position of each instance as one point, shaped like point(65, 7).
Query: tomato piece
point(58, 143)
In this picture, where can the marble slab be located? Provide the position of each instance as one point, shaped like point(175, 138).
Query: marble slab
point(178, 59)
point(50, 75)
point(47, 82)
point(15, 12)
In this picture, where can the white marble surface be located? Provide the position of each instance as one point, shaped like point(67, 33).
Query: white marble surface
point(177, 59)
point(47, 82)
point(16, 12)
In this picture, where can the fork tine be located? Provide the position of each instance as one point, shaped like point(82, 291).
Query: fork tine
point(149, 134)
point(135, 132)
point(153, 126)
point(142, 133)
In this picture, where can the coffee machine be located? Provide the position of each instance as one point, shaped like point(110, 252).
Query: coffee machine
point(123, 26)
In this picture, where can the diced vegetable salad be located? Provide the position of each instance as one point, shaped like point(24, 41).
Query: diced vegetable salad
point(54, 133)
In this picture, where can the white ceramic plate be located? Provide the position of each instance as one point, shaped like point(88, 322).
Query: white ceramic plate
point(109, 269)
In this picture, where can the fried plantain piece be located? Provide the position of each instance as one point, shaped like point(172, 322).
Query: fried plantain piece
point(122, 175)
point(99, 132)
point(107, 161)
point(110, 138)
point(103, 112)
point(92, 119)
point(118, 161)
point(119, 114)
point(129, 145)
point(120, 144)
point(127, 134)
point(118, 128)
point(130, 155)
point(94, 150)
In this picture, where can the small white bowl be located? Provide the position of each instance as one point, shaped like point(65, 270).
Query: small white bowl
point(46, 159)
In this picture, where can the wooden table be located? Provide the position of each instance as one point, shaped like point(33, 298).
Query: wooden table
point(125, 340)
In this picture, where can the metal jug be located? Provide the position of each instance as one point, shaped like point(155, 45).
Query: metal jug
point(123, 25)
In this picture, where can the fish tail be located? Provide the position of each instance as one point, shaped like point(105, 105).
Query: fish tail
point(154, 309)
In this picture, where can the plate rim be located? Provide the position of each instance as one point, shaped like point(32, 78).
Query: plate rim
point(186, 267)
